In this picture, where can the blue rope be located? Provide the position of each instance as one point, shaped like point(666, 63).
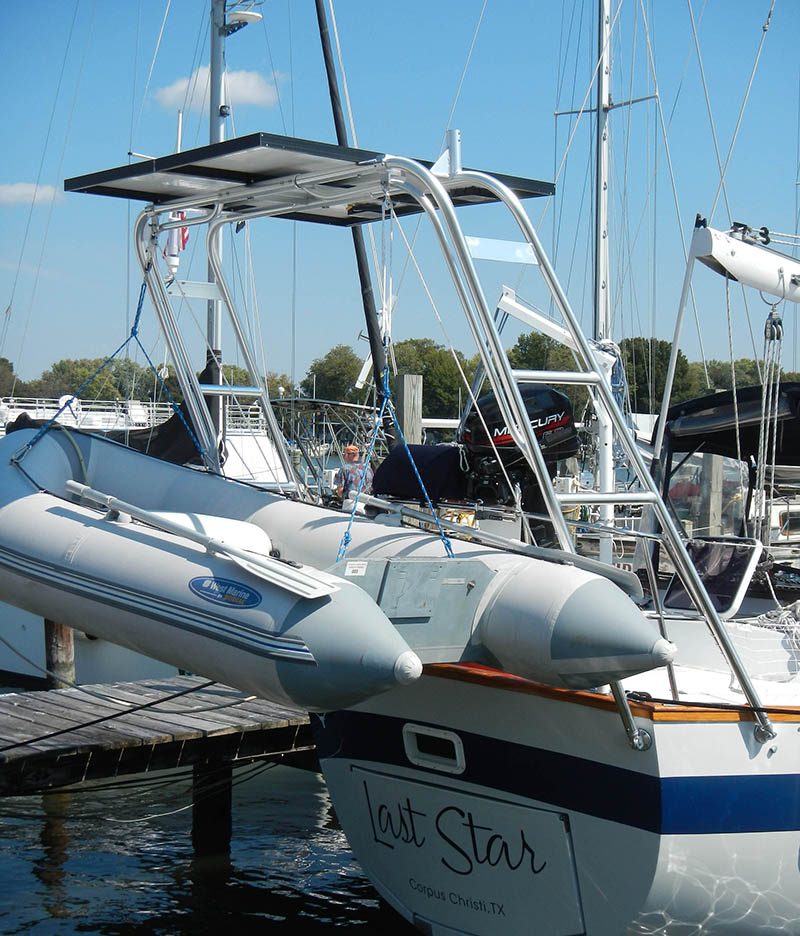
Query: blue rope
point(387, 404)
point(346, 535)
point(134, 336)
point(175, 408)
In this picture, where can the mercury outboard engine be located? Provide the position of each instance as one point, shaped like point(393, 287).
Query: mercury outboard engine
point(470, 470)
point(552, 420)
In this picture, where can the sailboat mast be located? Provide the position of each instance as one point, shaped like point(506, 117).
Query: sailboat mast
point(218, 113)
point(602, 313)
point(367, 293)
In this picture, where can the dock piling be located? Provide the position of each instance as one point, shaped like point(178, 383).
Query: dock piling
point(212, 821)
point(59, 642)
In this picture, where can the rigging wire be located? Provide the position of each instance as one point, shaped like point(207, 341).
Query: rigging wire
point(353, 136)
point(764, 30)
point(558, 219)
point(712, 126)
point(773, 340)
point(581, 111)
point(130, 148)
point(463, 74)
point(451, 347)
point(403, 272)
point(739, 462)
point(796, 234)
point(194, 68)
point(625, 237)
point(722, 188)
point(152, 66)
point(274, 73)
point(685, 70)
point(293, 295)
point(51, 205)
point(651, 60)
point(7, 318)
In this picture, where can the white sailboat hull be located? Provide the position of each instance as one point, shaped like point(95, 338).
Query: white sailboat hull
point(530, 813)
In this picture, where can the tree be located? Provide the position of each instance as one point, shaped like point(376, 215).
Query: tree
point(68, 375)
point(238, 376)
point(534, 351)
point(7, 377)
point(334, 374)
point(443, 388)
point(646, 361)
point(132, 381)
point(275, 380)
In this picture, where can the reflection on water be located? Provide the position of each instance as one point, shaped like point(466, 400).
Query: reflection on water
point(111, 860)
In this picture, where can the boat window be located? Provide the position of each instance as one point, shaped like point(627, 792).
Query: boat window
point(790, 522)
point(709, 494)
point(725, 567)
point(434, 748)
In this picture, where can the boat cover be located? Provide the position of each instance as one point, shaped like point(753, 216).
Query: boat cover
point(708, 424)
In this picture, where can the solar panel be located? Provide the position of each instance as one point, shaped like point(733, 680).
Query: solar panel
point(300, 179)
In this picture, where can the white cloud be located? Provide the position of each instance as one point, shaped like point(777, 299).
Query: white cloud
point(23, 193)
point(243, 87)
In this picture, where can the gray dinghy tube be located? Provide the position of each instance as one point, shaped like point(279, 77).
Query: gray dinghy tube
point(171, 599)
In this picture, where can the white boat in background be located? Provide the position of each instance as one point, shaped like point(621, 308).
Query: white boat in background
point(96, 415)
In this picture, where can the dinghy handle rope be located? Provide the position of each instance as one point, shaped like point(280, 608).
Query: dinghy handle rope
point(134, 336)
point(387, 404)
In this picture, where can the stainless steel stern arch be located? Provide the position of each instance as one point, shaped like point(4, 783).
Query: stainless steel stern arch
point(481, 323)
point(764, 730)
point(144, 245)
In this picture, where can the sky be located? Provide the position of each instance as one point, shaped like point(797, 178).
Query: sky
point(88, 82)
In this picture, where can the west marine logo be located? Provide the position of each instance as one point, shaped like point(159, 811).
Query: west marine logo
point(225, 592)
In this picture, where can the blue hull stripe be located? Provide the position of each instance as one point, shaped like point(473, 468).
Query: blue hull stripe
point(666, 806)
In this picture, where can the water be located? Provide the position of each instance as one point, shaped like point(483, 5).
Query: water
point(119, 860)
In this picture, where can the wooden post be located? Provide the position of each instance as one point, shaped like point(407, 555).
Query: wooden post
point(59, 646)
point(211, 808)
point(409, 406)
point(710, 520)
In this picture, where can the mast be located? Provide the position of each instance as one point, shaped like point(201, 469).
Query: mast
point(218, 112)
point(602, 306)
point(602, 315)
point(367, 293)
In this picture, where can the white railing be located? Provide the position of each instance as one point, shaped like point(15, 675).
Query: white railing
point(86, 414)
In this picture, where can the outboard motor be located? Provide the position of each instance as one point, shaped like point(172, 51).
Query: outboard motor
point(470, 471)
point(552, 420)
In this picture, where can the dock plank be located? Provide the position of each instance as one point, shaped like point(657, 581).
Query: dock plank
point(208, 713)
point(59, 716)
point(51, 738)
point(127, 715)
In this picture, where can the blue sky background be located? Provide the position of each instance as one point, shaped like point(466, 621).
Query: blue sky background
point(80, 95)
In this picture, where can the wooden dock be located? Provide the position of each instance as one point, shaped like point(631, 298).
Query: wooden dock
point(55, 738)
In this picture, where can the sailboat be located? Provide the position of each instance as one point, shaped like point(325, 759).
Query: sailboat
point(477, 766)
point(514, 738)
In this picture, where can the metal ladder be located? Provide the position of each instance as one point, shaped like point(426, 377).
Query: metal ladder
point(415, 180)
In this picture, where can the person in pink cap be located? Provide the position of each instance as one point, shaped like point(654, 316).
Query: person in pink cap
point(348, 477)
